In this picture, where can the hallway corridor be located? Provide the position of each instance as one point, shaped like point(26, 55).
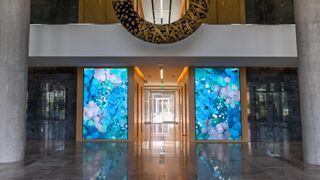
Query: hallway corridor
point(162, 152)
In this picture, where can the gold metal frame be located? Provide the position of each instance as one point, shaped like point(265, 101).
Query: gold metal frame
point(244, 104)
point(79, 104)
point(161, 34)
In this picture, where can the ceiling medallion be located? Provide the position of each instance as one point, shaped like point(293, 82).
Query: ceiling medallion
point(161, 34)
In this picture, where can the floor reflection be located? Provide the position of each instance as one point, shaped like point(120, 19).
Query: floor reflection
point(219, 161)
point(162, 155)
point(110, 158)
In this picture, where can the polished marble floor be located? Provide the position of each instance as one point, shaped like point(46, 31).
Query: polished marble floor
point(161, 154)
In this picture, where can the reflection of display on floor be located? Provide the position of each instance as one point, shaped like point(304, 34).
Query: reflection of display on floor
point(110, 156)
point(222, 160)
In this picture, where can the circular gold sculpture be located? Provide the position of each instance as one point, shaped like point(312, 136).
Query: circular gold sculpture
point(161, 34)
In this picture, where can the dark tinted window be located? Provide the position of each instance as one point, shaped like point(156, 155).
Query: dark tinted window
point(274, 104)
point(54, 11)
point(269, 12)
point(51, 113)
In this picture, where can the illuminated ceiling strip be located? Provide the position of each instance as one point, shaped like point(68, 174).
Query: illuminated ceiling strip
point(170, 11)
point(161, 73)
point(161, 9)
point(183, 74)
point(138, 71)
point(153, 14)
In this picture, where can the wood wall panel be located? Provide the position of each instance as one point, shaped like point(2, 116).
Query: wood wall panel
point(212, 17)
point(243, 11)
point(229, 11)
point(184, 83)
point(79, 115)
point(111, 17)
point(220, 11)
point(138, 104)
point(97, 12)
point(226, 12)
point(244, 104)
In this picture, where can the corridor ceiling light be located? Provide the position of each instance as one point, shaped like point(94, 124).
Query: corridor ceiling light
point(161, 10)
point(161, 73)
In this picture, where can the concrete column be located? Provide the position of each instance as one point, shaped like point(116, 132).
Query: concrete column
point(14, 35)
point(307, 14)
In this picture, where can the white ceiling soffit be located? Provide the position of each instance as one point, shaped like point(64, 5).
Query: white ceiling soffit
point(225, 45)
point(168, 61)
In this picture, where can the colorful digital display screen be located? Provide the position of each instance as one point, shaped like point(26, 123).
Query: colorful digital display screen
point(105, 103)
point(218, 107)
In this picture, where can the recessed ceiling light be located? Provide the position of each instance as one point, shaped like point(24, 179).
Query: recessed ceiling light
point(161, 73)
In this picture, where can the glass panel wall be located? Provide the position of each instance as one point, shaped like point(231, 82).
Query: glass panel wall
point(51, 113)
point(269, 12)
point(54, 11)
point(274, 106)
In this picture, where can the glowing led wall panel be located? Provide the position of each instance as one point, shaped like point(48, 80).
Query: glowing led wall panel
point(218, 108)
point(105, 103)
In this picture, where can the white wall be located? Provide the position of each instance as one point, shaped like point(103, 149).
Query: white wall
point(210, 41)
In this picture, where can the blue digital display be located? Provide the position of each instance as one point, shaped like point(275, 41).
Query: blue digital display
point(218, 107)
point(105, 103)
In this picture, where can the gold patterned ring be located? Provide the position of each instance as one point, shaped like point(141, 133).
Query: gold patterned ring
point(161, 34)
